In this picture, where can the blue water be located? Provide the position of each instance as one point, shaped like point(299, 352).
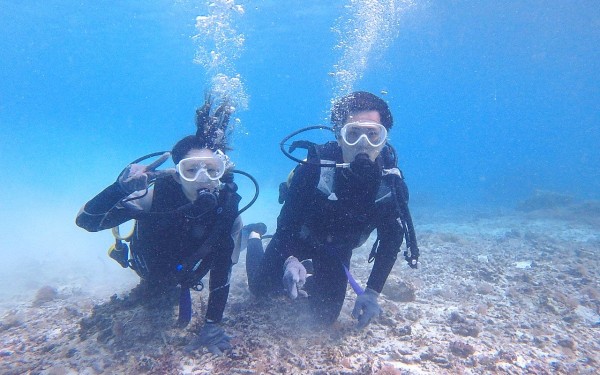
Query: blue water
point(491, 99)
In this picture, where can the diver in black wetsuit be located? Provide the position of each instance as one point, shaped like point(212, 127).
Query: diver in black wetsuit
point(187, 224)
point(344, 191)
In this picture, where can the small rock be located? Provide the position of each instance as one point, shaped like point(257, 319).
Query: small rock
point(481, 309)
point(402, 291)
point(567, 343)
point(489, 274)
point(558, 367)
point(485, 288)
point(487, 360)
point(432, 355)
point(456, 317)
point(466, 329)
point(463, 326)
point(388, 370)
point(441, 361)
point(71, 352)
point(10, 321)
point(539, 342)
point(508, 357)
point(412, 314)
point(461, 349)
point(404, 331)
point(44, 294)
point(426, 356)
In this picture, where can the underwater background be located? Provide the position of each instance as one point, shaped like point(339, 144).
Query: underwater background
point(492, 100)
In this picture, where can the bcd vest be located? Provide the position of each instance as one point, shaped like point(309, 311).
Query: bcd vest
point(344, 208)
point(167, 237)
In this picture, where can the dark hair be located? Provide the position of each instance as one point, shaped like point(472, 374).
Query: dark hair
point(186, 144)
point(211, 131)
point(360, 101)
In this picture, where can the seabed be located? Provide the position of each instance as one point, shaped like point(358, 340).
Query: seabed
point(496, 292)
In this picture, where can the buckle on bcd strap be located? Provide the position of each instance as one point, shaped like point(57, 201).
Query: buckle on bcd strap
point(373, 252)
point(119, 251)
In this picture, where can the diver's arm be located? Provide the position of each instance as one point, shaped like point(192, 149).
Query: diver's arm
point(220, 273)
point(299, 199)
point(106, 209)
point(220, 270)
point(390, 234)
point(236, 236)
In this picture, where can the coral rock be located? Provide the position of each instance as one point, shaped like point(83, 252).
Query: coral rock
point(403, 291)
point(44, 294)
point(461, 349)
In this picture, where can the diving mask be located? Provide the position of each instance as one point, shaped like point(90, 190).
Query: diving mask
point(203, 168)
point(373, 133)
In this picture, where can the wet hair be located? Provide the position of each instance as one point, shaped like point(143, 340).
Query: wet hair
point(211, 131)
point(214, 127)
point(186, 144)
point(360, 101)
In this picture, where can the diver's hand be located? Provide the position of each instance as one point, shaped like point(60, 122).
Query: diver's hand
point(366, 307)
point(294, 277)
point(137, 176)
point(412, 257)
point(212, 337)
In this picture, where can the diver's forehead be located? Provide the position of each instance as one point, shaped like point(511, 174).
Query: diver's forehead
point(364, 116)
point(203, 152)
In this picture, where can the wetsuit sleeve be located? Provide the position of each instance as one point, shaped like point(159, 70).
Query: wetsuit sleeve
point(221, 264)
point(105, 210)
point(390, 234)
point(236, 236)
point(220, 273)
point(299, 198)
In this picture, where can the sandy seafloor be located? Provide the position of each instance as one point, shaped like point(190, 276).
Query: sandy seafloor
point(496, 292)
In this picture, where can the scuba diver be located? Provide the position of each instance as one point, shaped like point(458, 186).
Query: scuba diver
point(333, 201)
point(187, 221)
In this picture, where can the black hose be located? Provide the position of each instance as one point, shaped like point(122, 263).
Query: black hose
point(148, 156)
point(255, 193)
point(186, 206)
point(290, 156)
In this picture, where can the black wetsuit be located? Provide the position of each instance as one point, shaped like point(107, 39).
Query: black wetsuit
point(315, 224)
point(165, 237)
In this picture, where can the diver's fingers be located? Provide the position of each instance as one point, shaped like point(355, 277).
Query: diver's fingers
point(158, 162)
point(161, 173)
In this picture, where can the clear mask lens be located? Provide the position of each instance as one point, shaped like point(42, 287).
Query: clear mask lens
point(201, 168)
point(373, 133)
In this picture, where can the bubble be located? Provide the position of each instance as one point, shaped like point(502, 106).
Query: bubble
point(224, 87)
point(218, 47)
point(367, 27)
